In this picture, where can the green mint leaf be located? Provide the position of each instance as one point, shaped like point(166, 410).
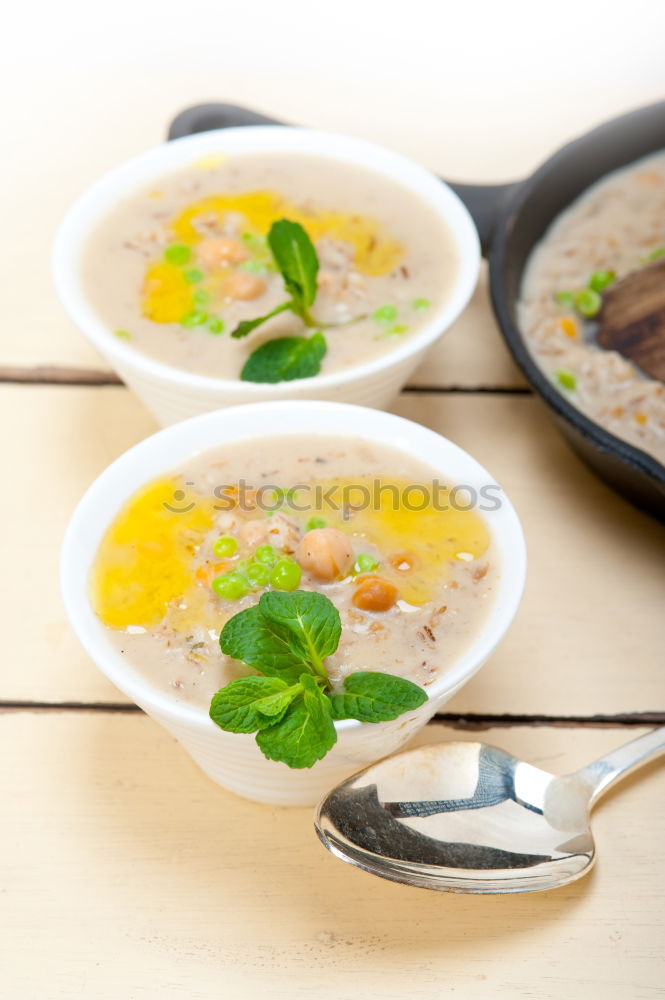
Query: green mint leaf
point(296, 258)
point(311, 620)
point(286, 636)
point(264, 645)
point(247, 325)
point(284, 359)
point(251, 703)
point(273, 707)
point(306, 732)
point(376, 697)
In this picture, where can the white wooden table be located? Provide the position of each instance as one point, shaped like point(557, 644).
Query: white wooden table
point(124, 872)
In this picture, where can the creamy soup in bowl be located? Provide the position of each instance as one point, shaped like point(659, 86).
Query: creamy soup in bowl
point(411, 571)
point(394, 533)
point(168, 263)
point(175, 269)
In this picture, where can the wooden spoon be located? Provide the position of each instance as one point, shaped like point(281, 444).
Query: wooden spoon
point(632, 319)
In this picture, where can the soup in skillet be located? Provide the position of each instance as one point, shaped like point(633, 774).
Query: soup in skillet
point(615, 227)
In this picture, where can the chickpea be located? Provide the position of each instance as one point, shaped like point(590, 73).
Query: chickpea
point(325, 553)
point(220, 252)
point(244, 286)
point(375, 594)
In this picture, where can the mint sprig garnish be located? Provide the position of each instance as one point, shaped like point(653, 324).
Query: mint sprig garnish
point(287, 637)
point(247, 325)
point(306, 732)
point(297, 262)
point(311, 620)
point(252, 703)
point(374, 697)
point(288, 358)
point(285, 358)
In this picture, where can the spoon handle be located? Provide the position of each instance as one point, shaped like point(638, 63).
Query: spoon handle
point(601, 774)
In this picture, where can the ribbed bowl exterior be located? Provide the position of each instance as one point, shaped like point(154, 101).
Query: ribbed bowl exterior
point(235, 762)
point(171, 401)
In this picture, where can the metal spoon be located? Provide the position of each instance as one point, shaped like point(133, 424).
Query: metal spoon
point(468, 817)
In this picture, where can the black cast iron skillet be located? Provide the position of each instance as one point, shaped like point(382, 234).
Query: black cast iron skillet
point(511, 218)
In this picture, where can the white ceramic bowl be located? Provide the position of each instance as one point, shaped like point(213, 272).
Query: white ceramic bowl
point(171, 394)
point(235, 761)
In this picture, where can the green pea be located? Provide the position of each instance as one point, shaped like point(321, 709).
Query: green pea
point(420, 305)
point(396, 330)
point(193, 276)
point(600, 280)
point(255, 240)
point(657, 254)
point(253, 267)
point(194, 318)
point(588, 303)
point(230, 587)
point(285, 575)
point(266, 554)
point(200, 296)
point(565, 379)
point(178, 254)
point(258, 575)
point(385, 314)
point(215, 325)
point(225, 547)
point(565, 299)
point(365, 563)
point(315, 522)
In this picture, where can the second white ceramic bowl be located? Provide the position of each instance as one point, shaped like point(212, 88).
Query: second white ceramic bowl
point(171, 394)
point(235, 761)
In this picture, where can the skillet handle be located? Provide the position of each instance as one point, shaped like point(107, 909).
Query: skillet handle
point(484, 201)
point(206, 117)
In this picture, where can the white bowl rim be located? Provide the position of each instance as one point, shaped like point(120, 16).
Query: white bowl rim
point(127, 178)
point(321, 418)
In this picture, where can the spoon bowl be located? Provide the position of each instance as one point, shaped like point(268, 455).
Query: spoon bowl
point(467, 817)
